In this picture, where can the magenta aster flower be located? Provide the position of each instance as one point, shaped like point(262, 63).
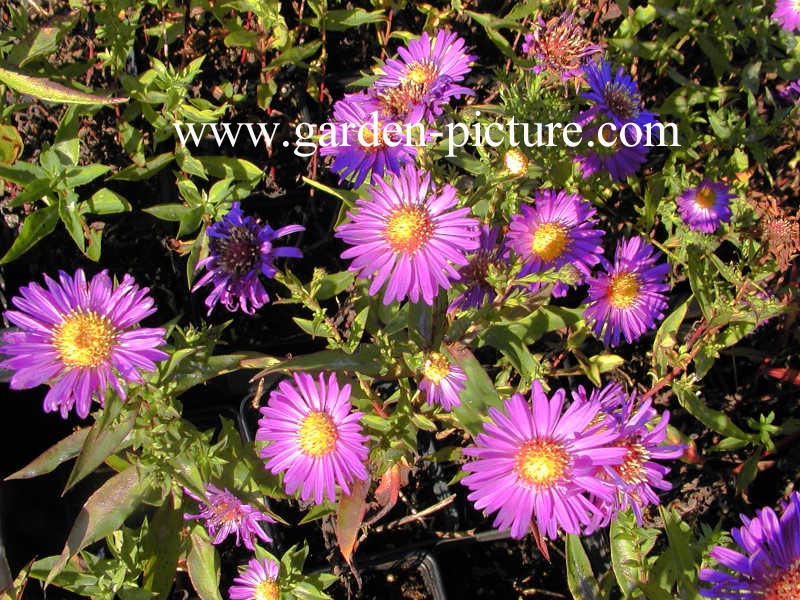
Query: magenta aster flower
point(426, 76)
point(240, 250)
point(787, 13)
point(225, 514)
point(473, 275)
point(409, 235)
point(363, 130)
point(535, 462)
point(259, 581)
point(639, 473)
point(314, 437)
point(79, 338)
point(768, 566)
point(442, 380)
point(703, 208)
point(629, 297)
point(557, 232)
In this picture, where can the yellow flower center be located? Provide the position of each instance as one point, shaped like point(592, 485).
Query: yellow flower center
point(317, 435)
point(421, 73)
point(786, 586)
point(408, 229)
point(632, 468)
point(267, 590)
point(84, 339)
point(623, 290)
point(541, 462)
point(436, 368)
point(549, 241)
point(516, 162)
point(705, 197)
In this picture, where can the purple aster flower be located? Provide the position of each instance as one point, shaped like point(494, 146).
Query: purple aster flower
point(615, 96)
point(259, 581)
point(560, 47)
point(240, 250)
point(473, 275)
point(611, 397)
point(425, 76)
point(787, 13)
point(225, 514)
point(629, 297)
point(639, 473)
point(407, 235)
point(557, 232)
point(366, 140)
point(315, 437)
point(442, 381)
point(790, 93)
point(619, 160)
point(768, 566)
point(703, 208)
point(79, 338)
point(535, 462)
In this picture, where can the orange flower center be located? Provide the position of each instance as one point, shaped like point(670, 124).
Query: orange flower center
point(549, 241)
point(84, 339)
point(408, 229)
point(786, 586)
point(632, 468)
point(516, 162)
point(436, 367)
point(317, 435)
point(623, 290)
point(705, 197)
point(267, 590)
point(541, 462)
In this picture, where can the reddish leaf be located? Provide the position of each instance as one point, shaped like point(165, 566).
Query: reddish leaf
point(389, 489)
point(349, 517)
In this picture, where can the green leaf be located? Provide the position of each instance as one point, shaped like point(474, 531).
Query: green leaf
point(138, 173)
point(192, 373)
point(37, 225)
point(58, 453)
point(104, 202)
point(225, 167)
point(364, 360)
point(44, 89)
point(699, 279)
point(713, 419)
point(478, 394)
point(580, 578)
point(68, 212)
point(296, 55)
point(103, 513)
point(629, 548)
point(340, 20)
point(10, 144)
point(168, 212)
point(203, 566)
point(104, 438)
point(78, 176)
point(163, 544)
point(347, 196)
point(334, 284)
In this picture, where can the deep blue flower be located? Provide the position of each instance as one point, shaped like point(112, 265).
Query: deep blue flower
point(240, 250)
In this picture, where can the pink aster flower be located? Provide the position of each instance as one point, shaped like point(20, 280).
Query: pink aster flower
point(787, 13)
point(629, 297)
point(766, 566)
point(558, 231)
point(225, 514)
point(408, 235)
point(541, 461)
point(259, 581)
point(314, 437)
point(703, 208)
point(426, 76)
point(442, 380)
point(80, 337)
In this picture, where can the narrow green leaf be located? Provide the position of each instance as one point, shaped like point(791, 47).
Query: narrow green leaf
point(58, 453)
point(104, 512)
point(580, 578)
point(44, 89)
point(104, 438)
point(163, 545)
point(203, 566)
point(149, 169)
point(168, 212)
point(364, 360)
point(478, 394)
point(37, 225)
